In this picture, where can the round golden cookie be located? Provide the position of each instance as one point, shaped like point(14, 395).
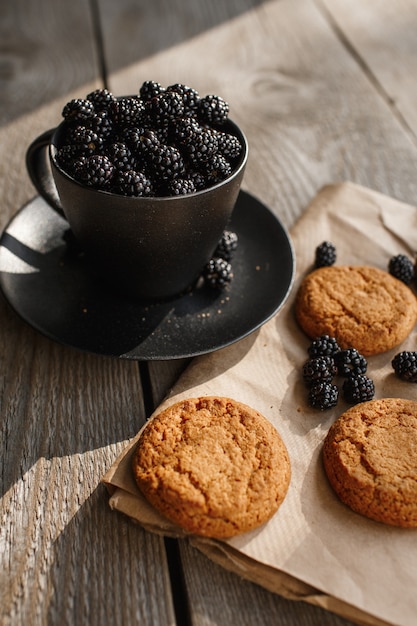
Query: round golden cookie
point(370, 458)
point(362, 307)
point(213, 466)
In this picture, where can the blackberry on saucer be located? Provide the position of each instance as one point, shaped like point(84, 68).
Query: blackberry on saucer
point(323, 396)
point(401, 267)
point(227, 245)
point(217, 273)
point(405, 366)
point(325, 254)
point(358, 388)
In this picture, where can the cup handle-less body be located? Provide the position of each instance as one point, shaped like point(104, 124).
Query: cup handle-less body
point(39, 169)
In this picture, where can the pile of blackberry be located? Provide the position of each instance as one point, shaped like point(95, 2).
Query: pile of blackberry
point(327, 361)
point(164, 141)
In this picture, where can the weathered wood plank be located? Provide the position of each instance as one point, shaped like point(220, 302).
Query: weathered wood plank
point(65, 415)
point(383, 37)
point(135, 31)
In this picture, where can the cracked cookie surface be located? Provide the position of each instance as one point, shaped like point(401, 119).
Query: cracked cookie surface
point(212, 465)
point(362, 307)
point(370, 458)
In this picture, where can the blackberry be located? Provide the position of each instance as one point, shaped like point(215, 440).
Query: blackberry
point(198, 179)
point(189, 96)
point(66, 155)
point(213, 109)
point(132, 183)
point(127, 112)
point(323, 396)
point(323, 346)
point(202, 147)
point(217, 169)
point(120, 156)
point(181, 186)
point(86, 138)
point(401, 267)
point(325, 254)
point(102, 124)
point(229, 145)
point(358, 388)
point(183, 130)
point(141, 141)
point(101, 99)
point(217, 273)
point(97, 171)
point(349, 362)
point(405, 366)
point(149, 89)
point(166, 162)
point(78, 109)
point(165, 107)
point(227, 245)
point(78, 167)
point(319, 369)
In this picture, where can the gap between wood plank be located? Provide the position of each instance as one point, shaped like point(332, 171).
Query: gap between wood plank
point(98, 36)
point(365, 68)
point(178, 589)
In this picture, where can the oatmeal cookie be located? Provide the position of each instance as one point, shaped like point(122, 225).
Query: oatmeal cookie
point(212, 465)
point(362, 307)
point(370, 458)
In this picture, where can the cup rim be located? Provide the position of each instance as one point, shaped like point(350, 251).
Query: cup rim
point(236, 171)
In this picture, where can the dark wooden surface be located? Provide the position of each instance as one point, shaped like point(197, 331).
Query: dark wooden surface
point(325, 91)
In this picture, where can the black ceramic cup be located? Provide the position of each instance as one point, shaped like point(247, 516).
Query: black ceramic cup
point(147, 248)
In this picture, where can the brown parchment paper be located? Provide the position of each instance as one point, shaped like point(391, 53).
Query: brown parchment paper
point(314, 548)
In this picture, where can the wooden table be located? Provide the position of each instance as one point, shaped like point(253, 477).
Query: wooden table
point(325, 91)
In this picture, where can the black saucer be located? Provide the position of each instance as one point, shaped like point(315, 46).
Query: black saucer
point(53, 290)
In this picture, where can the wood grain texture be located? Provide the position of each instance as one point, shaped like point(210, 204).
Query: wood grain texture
point(64, 415)
point(383, 37)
